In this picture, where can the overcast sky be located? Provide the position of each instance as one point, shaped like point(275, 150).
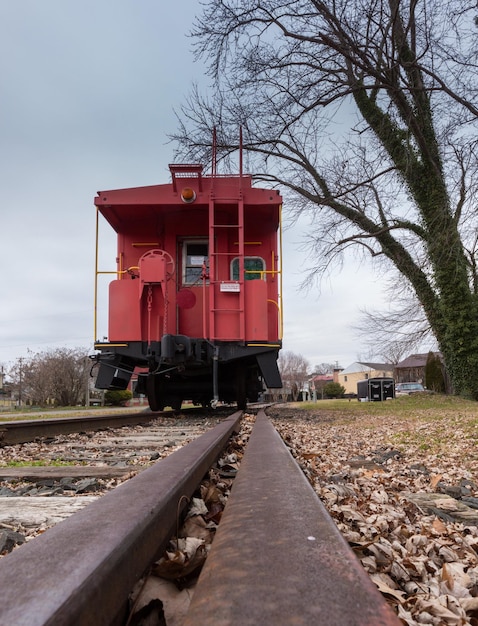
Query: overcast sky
point(87, 96)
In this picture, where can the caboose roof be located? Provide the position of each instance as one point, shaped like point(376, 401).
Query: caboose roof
point(121, 207)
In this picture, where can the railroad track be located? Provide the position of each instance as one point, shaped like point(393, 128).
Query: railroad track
point(23, 431)
point(45, 481)
point(277, 557)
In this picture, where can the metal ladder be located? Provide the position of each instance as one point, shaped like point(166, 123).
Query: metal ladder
point(216, 229)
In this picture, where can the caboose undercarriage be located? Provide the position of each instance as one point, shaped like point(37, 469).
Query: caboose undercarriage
point(180, 368)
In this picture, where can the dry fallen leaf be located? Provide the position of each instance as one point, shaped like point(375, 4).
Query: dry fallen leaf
point(197, 527)
point(420, 547)
point(434, 480)
point(386, 589)
point(175, 602)
point(197, 507)
point(189, 556)
point(439, 527)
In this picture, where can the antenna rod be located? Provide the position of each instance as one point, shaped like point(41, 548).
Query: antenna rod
point(240, 152)
point(214, 152)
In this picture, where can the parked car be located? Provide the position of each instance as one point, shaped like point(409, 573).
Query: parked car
point(406, 389)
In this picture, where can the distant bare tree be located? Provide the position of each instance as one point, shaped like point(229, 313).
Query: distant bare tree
point(324, 368)
point(294, 372)
point(402, 329)
point(58, 377)
point(18, 374)
point(392, 353)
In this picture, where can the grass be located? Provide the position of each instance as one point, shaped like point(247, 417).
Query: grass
point(37, 413)
point(40, 463)
point(430, 423)
point(402, 406)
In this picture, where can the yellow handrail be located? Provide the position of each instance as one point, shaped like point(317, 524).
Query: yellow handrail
point(281, 327)
point(95, 304)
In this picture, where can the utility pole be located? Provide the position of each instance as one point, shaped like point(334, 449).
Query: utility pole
point(20, 360)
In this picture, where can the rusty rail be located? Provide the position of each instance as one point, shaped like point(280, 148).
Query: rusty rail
point(22, 431)
point(278, 558)
point(81, 571)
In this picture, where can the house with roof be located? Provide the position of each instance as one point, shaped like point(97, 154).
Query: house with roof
point(413, 369)
point(317, 384)
point(351, 375)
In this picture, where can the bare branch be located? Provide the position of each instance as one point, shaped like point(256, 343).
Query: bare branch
point(365, 113)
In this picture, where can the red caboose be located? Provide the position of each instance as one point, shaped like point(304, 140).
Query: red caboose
point(196, 300)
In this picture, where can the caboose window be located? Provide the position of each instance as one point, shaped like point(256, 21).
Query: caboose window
point(195, 256)
point(253, 266)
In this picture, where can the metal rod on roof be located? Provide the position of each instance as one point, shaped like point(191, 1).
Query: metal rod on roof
point(214, 152)
point(240, 152)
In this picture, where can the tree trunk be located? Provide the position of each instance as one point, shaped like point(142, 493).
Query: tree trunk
point(457, 335)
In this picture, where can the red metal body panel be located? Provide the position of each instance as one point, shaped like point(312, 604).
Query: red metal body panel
point(127, 325)
point(257, 319)
point(235, 220)
point(193, 318)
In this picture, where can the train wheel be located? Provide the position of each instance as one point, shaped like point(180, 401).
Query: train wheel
point(154, 395)
point(176, 404)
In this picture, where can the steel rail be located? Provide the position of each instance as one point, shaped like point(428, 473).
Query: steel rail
point(278, 557)
point(81, 571)
point(23, 431)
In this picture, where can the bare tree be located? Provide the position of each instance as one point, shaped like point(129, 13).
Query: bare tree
point(324, 368)
point(294, 372)
point(322, 377)
point(366, 112)
point(58, 377)
point(390, 334)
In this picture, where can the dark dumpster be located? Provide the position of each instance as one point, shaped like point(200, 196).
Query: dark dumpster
point(375, 389)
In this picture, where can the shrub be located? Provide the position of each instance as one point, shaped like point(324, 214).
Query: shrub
point(118, 397)
point(434, 379)
point(333, 390)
